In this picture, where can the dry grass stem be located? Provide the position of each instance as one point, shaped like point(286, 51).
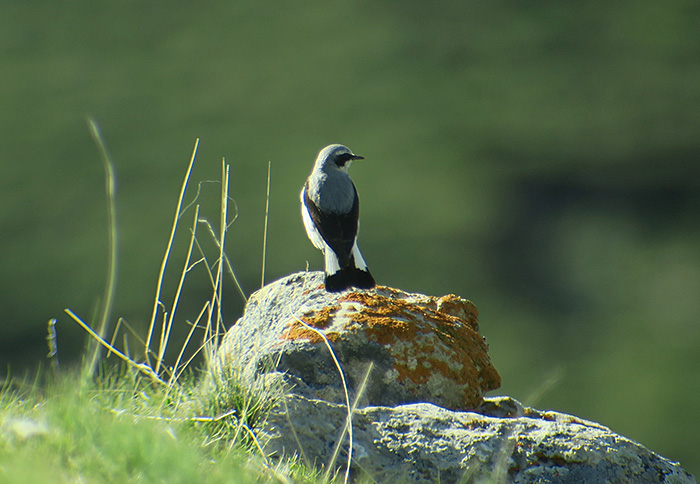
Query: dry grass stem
point(166, 257)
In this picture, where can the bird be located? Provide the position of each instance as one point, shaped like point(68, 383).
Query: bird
point(330, 209)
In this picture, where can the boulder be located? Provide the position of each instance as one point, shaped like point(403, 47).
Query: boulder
point(420, 348)
point(501, 442)
point(394, 383)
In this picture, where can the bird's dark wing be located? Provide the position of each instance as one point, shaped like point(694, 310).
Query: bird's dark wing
point(338, 230)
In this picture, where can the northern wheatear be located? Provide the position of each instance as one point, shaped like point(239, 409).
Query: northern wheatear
point(330, 209)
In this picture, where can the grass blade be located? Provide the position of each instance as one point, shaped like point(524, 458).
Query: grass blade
point(267, 213)
point(164, 264)
point(110, 287)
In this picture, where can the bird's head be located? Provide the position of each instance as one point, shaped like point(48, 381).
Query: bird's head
point(336, 157)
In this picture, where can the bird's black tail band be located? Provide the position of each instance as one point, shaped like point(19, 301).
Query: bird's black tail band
point(349, 277)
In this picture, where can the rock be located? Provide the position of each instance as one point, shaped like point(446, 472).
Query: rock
point(421, 348)
point(395, 350)
point(503, 443)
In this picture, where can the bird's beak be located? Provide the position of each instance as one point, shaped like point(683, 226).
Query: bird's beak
point(357, 157)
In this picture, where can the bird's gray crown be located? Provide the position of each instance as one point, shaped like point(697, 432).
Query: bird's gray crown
point(335, 156)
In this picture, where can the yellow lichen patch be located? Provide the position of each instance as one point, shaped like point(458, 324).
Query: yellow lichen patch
point(321, 318)
point(429, 340)
point(458, 307)
point(297, 331)
point(367, 299)
point(434, 342)
point(383, 319)
point(317, 319)
point(423, 371)
point(390, 291)
point(381, 304)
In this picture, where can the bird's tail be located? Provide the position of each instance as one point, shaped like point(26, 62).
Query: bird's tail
point(347, 277)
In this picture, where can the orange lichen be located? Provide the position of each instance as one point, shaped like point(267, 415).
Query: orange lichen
point(391, 291)
point(430, 339)
point(458, 307)
point(297, 331)
point(389, 321)
point(320, 319)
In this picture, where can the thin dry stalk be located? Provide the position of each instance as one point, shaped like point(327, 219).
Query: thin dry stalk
point(229, 268)
point(142, 367)
point(177, 370)
point(348, 428)
point(168, 249)
point(110, 286)
point(165, 335)
point(223, 228)
point(553, 378)
point(267, 214)
point(214, 321)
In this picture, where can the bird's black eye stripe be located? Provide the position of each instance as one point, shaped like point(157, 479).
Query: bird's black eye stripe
point(343, 158)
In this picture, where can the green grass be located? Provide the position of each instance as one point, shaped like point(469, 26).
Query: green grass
point(124, 428)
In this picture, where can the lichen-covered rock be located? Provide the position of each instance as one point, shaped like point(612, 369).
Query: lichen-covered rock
point(421, 348)
point(503, 442)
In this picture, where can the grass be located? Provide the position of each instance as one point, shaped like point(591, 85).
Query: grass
point(114, 430)
point(122, 427)
point(142, 419)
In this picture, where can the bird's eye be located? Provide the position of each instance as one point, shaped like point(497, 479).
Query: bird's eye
point(343, 158)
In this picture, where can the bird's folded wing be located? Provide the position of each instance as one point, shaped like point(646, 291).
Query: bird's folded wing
point(338, 231)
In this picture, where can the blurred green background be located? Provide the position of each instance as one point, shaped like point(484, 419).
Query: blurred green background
point(541, 159)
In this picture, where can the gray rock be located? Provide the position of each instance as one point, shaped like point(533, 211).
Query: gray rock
point(420, 348)
point(424, 443)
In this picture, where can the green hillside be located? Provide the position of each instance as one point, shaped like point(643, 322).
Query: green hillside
point(540, 159)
